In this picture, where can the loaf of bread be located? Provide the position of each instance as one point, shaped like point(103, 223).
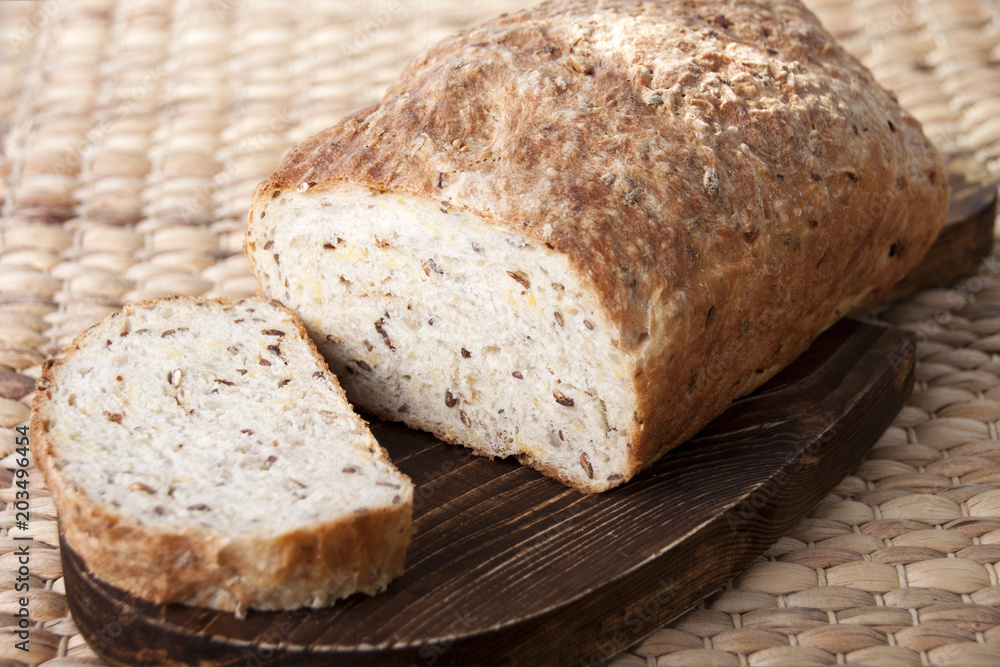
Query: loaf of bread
point(576, 233)
point(200, 451)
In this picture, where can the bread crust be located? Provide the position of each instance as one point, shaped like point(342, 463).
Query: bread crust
point(726, 177)
point(302, 568)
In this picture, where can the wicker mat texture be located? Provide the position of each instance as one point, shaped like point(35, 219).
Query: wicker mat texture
point(133, 131)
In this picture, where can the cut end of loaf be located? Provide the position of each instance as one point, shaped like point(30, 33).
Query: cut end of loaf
point(697, 164)
point(432, 317)
point(201, 452)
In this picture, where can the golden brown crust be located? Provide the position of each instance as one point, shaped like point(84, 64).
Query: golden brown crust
point(729, 179)
point(299, 568)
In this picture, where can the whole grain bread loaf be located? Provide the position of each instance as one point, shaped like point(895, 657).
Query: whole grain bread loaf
point(200, 451)
point(576, 233)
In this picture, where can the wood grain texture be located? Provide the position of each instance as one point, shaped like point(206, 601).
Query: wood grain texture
point(509, 567)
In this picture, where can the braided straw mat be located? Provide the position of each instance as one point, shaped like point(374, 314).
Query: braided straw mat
point(133, 132)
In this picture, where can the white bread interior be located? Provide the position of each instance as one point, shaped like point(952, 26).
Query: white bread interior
point(434, 318)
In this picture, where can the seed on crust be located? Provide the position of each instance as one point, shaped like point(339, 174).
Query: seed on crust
point(581, 64)
point(641, 75)
point(711, 182)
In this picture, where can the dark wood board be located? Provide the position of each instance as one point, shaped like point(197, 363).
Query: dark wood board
point(509, 567)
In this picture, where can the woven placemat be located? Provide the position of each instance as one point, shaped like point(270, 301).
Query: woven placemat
point(133, 131)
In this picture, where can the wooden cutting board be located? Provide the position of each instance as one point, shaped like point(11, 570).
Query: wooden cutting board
point(509, 567)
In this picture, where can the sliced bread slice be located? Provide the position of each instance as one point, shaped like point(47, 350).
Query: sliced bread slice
point(200, 451)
